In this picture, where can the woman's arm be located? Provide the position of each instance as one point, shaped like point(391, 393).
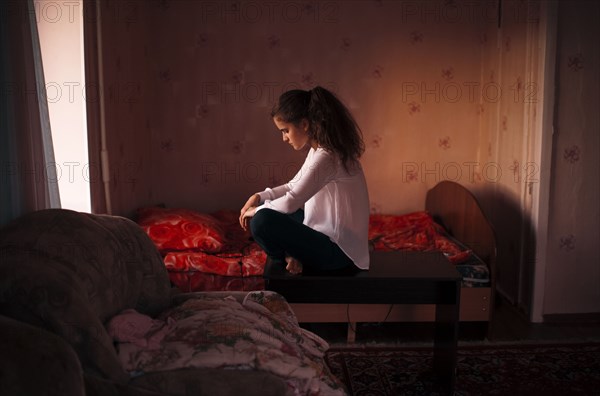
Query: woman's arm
point(258, 198)
point(248, 210)
point(318, 170)
point(275, 192)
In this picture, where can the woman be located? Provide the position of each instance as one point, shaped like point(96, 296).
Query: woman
point(319, 220)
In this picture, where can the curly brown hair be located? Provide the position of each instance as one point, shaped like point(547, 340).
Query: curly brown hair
point(330, 122)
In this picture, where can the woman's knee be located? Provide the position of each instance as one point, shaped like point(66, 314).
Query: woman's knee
point(260, 220)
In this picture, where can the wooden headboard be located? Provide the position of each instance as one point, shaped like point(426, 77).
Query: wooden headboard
point(457, 209)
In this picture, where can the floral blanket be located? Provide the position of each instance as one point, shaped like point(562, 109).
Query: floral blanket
point(259, 333)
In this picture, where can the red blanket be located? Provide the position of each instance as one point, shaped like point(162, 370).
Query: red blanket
point(414, 231)
point(216, 244)
point(191, 241)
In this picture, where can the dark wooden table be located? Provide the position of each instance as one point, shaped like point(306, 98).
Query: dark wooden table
point(399, 277)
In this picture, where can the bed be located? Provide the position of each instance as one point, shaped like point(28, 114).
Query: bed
point(220, 256)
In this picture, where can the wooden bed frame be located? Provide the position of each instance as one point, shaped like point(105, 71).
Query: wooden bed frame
point(455, 208)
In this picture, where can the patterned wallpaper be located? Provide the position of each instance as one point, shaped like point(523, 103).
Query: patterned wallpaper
point(195, 80)
point(442, 90)
point(574, 229)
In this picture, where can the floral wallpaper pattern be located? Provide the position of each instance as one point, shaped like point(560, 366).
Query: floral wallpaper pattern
point(573, 269)
point(207, 72)
point(441, 89)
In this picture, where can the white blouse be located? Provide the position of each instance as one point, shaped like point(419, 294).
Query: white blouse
point(336, 202)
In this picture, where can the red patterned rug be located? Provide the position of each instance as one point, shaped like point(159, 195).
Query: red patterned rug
point(558, 369)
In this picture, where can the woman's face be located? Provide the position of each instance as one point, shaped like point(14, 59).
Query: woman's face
point(295, 135)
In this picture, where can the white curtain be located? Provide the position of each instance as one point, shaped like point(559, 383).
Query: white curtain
point(28, 178)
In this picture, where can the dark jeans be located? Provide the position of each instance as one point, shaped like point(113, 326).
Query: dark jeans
point(281, 234)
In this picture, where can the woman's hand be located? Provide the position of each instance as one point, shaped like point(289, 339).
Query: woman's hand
point(248, 210)
point(246, 216)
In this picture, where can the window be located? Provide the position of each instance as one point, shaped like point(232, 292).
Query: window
point(60, 27)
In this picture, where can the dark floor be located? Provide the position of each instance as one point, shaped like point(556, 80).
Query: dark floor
point(507, 325)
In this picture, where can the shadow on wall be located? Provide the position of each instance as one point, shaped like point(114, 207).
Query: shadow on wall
point(515, 241)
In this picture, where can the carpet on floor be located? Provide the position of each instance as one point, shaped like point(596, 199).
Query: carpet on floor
point(511, 369)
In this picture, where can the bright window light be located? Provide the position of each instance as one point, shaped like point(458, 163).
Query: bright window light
point(60, 27)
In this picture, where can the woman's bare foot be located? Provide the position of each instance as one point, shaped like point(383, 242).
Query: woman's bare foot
point(293, 266)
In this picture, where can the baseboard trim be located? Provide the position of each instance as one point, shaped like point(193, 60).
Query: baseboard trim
point(590, 317)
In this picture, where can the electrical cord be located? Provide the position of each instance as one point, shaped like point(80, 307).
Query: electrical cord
point(353, 328)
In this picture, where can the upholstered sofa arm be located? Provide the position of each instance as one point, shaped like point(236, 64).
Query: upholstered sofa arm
point(36, 362)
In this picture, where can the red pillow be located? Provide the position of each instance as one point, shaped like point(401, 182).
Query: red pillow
point(181, 229)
